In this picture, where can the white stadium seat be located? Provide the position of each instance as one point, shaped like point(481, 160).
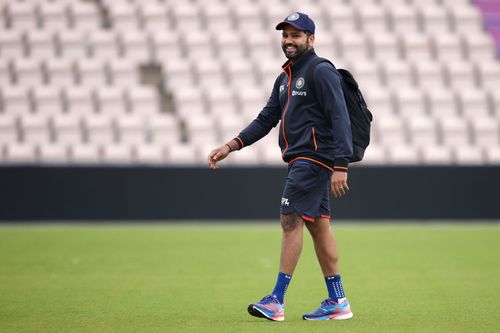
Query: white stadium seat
point(143, 100)
point(35, 128)
point(165, 46)
point(473, 102)
point(404, 155)
point(136, 47)
point(385, 46)
point(478, 46)
point(54, 16)
point(123, 15)
point(182, 154)
point(209, 73)
point(229, 45)
point(85, 154)
point(454, 131)
point(91, 73)
point(485, 130)
point(53, 154)
point(220, 101)
point(469, 155)
point(16, 100)
point(217, 16)
point(79, 100)
point(164, 129)
point(131, 129)
point(60, 72)
point(67, 129)
point(73, 44)
point(154, 16)
point(410, 102)
point(99, 129)
point(403, 17)
point(123, 73)
point(8, 129)
point(436, 155)
point(103, 45)
point(111, 101)
point(415, 46)
point(5, 73)
point(372, 17)
point(460, 74)
point(422, 130)
point(434, 18)
point(12, 44)
point(465, 17)
point(117, 154)
point(84, 16)
point(48, 100)
point(148, 154)
point(28, 72)
point(492, 155)
point(447, 46)
point(429, 74)
point(441, 102)
point(186, 16)
point(200, 129)
point(22, 15)
point(341, 18)
point(41, 44)
point(20, 153)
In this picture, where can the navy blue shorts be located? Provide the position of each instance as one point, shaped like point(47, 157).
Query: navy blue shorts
point(307, 191)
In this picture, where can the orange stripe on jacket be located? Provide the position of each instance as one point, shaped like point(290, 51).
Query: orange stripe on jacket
point(312, 160)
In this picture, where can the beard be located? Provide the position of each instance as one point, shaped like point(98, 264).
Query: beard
point(293, 52)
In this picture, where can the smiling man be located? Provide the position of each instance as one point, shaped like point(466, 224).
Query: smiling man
point(315, 140)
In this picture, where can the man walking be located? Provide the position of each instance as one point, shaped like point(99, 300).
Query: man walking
point(315, 141)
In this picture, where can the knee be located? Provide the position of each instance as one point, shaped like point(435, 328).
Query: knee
point(318, 228)
point(291, 222)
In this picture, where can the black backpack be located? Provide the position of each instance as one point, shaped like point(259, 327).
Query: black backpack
point(359, 114)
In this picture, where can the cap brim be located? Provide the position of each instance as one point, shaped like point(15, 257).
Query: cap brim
point(282, 25)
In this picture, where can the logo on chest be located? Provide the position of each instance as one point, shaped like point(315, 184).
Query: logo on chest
point(299, 84)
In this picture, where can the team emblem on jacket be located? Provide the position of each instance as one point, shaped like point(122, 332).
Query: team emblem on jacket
point(293, 17)
point(299, 83)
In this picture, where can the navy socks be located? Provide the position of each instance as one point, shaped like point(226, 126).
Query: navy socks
point(281, 286)
point(335, 289)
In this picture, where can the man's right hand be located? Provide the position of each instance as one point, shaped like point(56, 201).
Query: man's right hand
point(218, 154)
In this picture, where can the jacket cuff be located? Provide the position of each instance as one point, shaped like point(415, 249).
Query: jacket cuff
point(341, 164)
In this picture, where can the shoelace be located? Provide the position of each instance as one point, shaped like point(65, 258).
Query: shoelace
point(269, 299)
point(327, 302)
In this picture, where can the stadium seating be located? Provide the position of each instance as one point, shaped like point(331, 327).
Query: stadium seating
point(75, 87)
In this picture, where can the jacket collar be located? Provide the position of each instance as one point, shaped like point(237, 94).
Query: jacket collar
point(299, 63)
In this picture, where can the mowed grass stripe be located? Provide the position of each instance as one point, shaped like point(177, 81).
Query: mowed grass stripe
point(200, 278)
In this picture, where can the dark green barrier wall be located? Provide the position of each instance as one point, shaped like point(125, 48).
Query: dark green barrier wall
point(141, 193)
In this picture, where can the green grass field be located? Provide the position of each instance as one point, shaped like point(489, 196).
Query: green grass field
point(200, 278)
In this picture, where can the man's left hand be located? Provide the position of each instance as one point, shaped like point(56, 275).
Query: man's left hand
point(339, 184)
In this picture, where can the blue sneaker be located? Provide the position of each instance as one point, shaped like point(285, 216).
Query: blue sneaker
point(330, 309)
point(269, 307)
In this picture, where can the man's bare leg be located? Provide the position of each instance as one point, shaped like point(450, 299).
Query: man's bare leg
point(325, 246)
point(291, 244)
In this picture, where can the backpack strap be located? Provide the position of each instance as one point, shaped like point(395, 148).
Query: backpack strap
point(310, 70)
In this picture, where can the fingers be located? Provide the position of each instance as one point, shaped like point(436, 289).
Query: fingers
point(339, 186)
point(212, 159)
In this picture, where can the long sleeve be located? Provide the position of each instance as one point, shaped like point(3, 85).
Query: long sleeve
point(265, 121)
point(331, 99)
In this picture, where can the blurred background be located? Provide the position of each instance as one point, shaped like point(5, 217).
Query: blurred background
point(109, 108)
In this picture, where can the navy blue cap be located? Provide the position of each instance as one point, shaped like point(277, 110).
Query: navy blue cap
point(299, 21)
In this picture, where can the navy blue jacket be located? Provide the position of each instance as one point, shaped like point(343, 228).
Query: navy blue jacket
point(315, 124)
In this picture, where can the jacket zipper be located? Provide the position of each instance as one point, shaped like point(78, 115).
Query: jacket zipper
point(288, 73)
point(314, 139)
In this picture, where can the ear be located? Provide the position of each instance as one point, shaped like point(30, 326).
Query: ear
point(311, 40)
